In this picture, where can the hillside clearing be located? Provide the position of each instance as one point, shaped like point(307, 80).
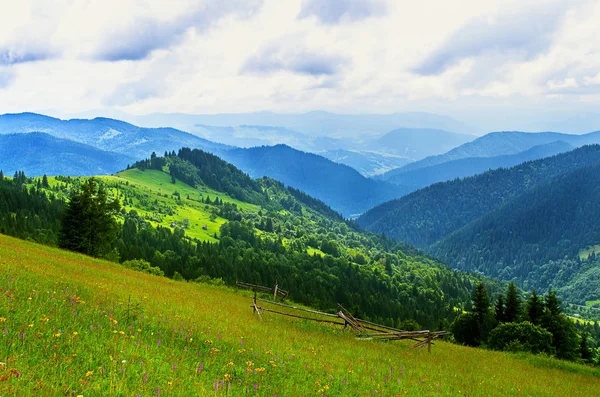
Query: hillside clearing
point(79, 326)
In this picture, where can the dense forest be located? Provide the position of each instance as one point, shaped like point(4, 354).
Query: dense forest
point(293, 239)
point(430, 214)
point(534, 239)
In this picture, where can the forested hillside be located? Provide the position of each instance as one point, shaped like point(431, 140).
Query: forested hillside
point(339, 186)
point(279, 234)
point(527, 224)
point(517, 241)
point(430, 214)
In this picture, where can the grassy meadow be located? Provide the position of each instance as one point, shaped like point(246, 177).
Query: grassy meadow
point(150, 193)
point(76, 326)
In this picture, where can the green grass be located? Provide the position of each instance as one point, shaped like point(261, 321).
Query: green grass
point(150, 186)
point(72, 325)
point(592, 303)
point(584, 253)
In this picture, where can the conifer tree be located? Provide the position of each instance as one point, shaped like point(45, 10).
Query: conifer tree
point(535, 308)
point(88, 225)
point(499, 309)
point(513, 304)
point(45, 183)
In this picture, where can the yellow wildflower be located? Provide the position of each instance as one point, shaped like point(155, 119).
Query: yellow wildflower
point(89, 373)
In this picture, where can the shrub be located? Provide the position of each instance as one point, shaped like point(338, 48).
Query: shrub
point(523, 336)
point(466, 329)
point(142, 266)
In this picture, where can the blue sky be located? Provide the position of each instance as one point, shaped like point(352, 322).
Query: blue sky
point(494, 63)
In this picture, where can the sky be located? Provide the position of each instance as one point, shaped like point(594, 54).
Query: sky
point(492, 63)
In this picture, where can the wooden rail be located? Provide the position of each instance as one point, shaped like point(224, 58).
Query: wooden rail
point(381, 332)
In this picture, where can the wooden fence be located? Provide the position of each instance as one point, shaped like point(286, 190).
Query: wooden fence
point(275, 290)
point(362, 327)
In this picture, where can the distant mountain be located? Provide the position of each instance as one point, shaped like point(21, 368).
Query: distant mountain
point(502, 144)
point(428, 215)
point(254, 135)
point(417, 143)
point(316, 123)
point(366, 162)
point(339, 186)
point(425, 176)
point(38, 154)
point(107, 134)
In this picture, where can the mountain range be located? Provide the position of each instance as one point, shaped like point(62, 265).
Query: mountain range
point(528, 223)
point(340, 186)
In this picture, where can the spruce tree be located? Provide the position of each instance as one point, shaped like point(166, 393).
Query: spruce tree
point(535, 308)
point(88, 225)
point(499, 309)
point(45, 183)
point(513, 304)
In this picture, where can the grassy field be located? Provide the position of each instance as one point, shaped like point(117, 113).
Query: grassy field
point(584, 253)
point(76, 326)
point(150, 193)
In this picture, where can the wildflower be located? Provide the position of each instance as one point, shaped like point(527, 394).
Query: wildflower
point(268, 352)
point(56, 335)
point(2, 320)
point(30, 325)
point(230, 364)
point(170, 383)
point(272, 363)
point(89, 373)
point(201, 367)
point(227, 377)
point(75, 333)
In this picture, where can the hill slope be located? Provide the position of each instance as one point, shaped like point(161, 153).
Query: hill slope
point(109, 330)
point(502, 144)
point(428, 215)
point(339, 186)
point(461, 168)
point(37, 154)
point(107, 134)
point(550, 222)
point(418, 143)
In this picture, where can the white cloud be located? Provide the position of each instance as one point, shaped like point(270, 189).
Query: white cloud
point(298, 55)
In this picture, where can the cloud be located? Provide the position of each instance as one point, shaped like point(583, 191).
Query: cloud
point(145, 35)
point(299, 60)
point(11, 56)
point(521, 36)
point(332, 12)
point(132, 92)
point(7, 75)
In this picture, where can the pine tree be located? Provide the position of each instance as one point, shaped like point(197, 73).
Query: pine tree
point(1, 176)
point(513, 304)
point(45, 183)
point(499, 309)
point(535, 308)
point(88, 225)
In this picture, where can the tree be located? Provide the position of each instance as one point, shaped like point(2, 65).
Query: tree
point(499, 309)
point(481, 310)
point(88, 224)
point(535, 308)
point(1, 176)
point(521, 337)
point(45, 183)
point(513, 304)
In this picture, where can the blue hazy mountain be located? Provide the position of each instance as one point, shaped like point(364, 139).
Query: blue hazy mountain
point(107, 134)
point(366, 162)
point(38, 153)
point(421, 177)
point(502, 144)
point(316, 123)
point(341, 187)
point(418, 143)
